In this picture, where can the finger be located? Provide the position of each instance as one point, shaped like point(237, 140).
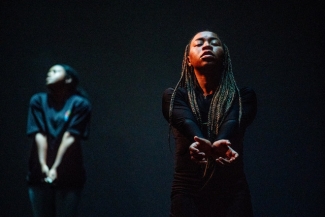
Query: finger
point(219, 161)
point(225, 161)
point(196, 138)
point(202, 162)
point(223, 142)
point(198, 156)
point(199, 161)
point(235, 154)
point(193, 147)
point(232, 153)
point(196, 152)
point(199, 139)
point(48, 180)
point(201, 153)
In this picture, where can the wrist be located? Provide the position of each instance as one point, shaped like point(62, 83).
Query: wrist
point(53, 167)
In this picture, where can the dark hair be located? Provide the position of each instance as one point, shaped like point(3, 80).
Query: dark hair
point(74, 75)
point(71, 73)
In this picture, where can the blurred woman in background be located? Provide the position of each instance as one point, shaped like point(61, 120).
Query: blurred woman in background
point(57, 122)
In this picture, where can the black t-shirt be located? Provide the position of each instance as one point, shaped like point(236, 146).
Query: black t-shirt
point(53, 119)
point(188, 176)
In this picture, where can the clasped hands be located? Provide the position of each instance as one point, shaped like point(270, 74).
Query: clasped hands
point(220, 150)
point(51, 174)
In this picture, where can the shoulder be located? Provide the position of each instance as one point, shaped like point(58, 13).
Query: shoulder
point(38, 98)
point(169, 91)
point(180, 95)
point(249, 102)
point(247, 94)
point(80, 101)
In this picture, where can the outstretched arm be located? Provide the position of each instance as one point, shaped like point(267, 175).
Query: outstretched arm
point(228, 151)
point(219, 149)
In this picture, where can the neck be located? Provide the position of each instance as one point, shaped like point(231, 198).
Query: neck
point(208, 81)
point(60, 94)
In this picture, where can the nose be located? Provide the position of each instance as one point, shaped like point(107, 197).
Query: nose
point(206, 45)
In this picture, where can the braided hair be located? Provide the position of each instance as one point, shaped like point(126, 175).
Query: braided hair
point(222, 98)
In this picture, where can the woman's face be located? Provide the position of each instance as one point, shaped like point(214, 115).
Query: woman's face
point(56, 75)
point(205, 49)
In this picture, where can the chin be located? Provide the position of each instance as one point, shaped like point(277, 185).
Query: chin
point(210, 64)
point(48, 84)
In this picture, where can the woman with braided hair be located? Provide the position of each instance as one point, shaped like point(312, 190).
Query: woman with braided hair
point(208, 115)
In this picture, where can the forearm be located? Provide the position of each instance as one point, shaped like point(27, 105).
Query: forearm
point(41, 143)
point(182, 117)
point(67, 141)
point(229, 127)
point(227, 130)
point(188, 128)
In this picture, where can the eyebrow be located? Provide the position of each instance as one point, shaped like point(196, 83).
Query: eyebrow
point(212, 38)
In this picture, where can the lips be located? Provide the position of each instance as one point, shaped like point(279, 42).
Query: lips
point(206, 54)
point(48, 79)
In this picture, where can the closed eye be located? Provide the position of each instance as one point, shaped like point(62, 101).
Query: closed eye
point(198, 43)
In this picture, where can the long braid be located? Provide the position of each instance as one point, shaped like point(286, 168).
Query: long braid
point(186, 81)
point(222, 98)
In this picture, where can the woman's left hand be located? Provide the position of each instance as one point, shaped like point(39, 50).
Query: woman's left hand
point(52, 174)
point(223, 153)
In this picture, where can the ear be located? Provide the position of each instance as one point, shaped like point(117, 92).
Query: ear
point(188, 61)
point(68, 80)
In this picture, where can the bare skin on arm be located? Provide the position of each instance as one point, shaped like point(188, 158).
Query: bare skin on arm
point(41, 142)
point(67, 140)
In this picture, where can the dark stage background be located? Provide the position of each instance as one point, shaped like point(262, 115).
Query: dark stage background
point(127, 53)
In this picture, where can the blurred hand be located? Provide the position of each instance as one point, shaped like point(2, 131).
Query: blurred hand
point(45, 169)
point(52, 175)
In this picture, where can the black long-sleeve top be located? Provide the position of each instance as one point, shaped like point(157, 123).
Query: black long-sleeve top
point(188, 176)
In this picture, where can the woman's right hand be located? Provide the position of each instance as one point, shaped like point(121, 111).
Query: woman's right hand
point(200, 150)
point(45, 169)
